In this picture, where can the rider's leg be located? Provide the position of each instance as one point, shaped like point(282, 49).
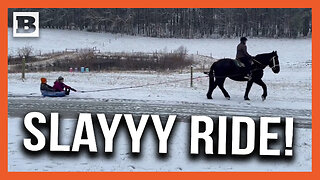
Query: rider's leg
point(246, 62)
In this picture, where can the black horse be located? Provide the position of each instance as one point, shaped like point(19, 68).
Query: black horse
point(224, 68)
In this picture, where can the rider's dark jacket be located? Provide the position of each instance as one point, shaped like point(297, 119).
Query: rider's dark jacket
point(242, 51)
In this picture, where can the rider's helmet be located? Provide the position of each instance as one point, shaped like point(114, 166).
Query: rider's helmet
point(60, 78)
point(243, 39)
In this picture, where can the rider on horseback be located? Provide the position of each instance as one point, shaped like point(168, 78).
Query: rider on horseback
point(244, 57)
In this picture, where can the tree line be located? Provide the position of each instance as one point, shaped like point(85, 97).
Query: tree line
point(180, 22)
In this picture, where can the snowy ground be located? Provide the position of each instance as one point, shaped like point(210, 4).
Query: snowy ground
point(291, 89)
point(283, 91)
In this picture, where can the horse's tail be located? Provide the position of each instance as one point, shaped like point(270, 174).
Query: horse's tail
point(210, 73)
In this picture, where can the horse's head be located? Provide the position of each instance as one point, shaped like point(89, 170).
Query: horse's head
point(274, 62)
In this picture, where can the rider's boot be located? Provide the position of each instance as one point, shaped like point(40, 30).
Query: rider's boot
point(248, 76)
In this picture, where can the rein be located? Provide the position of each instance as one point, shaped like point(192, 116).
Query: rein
point(259, 63)
point(273, 59)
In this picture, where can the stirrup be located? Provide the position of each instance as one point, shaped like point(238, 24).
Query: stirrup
point(248, 77)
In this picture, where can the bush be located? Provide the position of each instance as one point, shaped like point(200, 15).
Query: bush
point(112, 61)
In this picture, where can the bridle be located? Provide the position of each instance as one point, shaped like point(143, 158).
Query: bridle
point(273, 59)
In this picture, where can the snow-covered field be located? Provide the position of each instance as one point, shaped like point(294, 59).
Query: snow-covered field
point(290, 89)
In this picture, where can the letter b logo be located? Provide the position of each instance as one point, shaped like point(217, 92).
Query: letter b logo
point(25, 24)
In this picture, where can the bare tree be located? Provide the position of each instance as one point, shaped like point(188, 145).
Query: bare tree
point(24, 53)
point(85, 57)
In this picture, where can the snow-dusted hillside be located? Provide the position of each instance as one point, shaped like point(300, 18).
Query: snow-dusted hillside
point(289, 50)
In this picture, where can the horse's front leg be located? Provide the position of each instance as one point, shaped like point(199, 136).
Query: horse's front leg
point(264, 87)
point(249, 85)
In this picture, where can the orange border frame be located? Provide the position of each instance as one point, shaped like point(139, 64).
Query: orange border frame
point(314, 4)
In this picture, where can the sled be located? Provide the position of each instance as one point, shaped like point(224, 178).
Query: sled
point(53, 94)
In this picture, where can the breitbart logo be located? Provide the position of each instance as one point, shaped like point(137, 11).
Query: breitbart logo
point(25, 24)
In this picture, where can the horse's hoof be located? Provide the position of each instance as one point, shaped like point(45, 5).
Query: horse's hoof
point(209, 97)
point(246, 98)
point(228, 98)
point(263, 98)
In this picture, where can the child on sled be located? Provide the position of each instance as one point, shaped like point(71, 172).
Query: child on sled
point(59, 89)
point(48, 91)
point(59, 86)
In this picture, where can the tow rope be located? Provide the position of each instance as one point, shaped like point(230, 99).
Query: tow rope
point(139, 86)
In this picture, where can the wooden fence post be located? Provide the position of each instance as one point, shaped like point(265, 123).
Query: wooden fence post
point(191, 76)
point(23, 67)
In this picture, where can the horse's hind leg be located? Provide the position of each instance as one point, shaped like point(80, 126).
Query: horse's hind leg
point(212, 86)
point(220, 83)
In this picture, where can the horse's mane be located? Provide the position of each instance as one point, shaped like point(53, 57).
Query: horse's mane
point(223, 59)
point(264, 54)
